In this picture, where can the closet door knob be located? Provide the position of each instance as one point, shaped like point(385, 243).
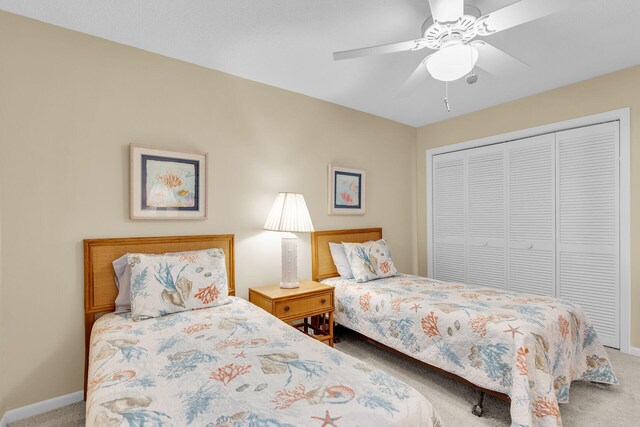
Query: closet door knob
point(529, 245)
point(485, 244)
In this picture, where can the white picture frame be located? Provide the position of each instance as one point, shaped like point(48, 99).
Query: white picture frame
point(167, 184)
point(346, 191)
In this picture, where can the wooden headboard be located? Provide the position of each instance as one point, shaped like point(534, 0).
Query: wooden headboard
point(100, 290)
point(322, 266)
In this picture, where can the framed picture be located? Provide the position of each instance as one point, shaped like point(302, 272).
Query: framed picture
point(167, 184)
point(346, 191)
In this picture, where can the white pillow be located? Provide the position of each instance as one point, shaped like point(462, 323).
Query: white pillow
point(170, 283)
point(123, 283)
point(370, 260)
point(340, 260)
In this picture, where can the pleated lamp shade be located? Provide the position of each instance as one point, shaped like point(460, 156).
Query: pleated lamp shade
point(289, 213)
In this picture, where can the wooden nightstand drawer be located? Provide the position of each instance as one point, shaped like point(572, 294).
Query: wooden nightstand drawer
point(304, 306)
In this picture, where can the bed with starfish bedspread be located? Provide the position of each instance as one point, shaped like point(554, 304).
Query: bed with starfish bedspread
point(528, 347)
point(236, 365)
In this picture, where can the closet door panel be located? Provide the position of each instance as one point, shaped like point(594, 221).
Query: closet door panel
point(588, 218)
point(486, 223)
point(449, 262)
point(487, 266)
point(587, 279)
point(449, 217)
point(531, 215)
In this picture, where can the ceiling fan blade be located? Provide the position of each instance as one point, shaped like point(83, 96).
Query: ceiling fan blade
point(416, 44)
point(419, 76)
point(446, 10)
point(495, 61)
point(520, 13)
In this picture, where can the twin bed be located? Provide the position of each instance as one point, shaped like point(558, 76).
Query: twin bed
point(232, 365)
point(523, 348)
point(236, 365)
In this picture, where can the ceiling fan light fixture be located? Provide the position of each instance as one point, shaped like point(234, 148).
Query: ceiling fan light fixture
point(452, 62)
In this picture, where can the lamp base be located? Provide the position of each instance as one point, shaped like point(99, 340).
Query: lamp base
point(289, 285)
point(289, 263)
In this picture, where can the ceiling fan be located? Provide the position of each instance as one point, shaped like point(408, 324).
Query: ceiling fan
point(452, 32)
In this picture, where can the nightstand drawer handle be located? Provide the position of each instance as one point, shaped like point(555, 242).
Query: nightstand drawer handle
point(323, 301)
point(287, 308)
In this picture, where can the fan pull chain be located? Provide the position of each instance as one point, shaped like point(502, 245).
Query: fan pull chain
point(446, 96)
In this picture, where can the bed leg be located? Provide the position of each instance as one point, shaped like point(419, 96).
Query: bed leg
point(478, 407)
point(336, 338)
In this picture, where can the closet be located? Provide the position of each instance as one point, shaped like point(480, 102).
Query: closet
point(538, 215)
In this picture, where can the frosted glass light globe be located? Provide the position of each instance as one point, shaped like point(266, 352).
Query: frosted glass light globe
point(452, 62)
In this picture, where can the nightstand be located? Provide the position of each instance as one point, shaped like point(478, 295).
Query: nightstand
point(311, 300)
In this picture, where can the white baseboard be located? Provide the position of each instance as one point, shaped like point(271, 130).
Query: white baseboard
point(40, 407)
point(634, 351)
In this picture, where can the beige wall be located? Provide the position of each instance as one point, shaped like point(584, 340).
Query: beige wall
point(2, 370)
point(606, 93)
point(70, 105)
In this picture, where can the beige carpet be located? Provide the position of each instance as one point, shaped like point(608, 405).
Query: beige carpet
point(588, 406)
point(69, 416)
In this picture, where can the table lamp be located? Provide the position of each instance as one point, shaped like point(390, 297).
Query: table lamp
point(289, 213)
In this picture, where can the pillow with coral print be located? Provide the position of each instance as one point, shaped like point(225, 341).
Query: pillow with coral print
point(169, 283)
point(370, 260)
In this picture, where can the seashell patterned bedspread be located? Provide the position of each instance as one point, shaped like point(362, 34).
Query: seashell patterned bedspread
point(236, 365)
point(528, 347)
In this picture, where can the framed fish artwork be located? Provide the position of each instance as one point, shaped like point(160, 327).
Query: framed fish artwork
point(346, 191)
point(167, 184)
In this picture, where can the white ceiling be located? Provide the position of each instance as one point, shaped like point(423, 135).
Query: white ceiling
point(288, 44)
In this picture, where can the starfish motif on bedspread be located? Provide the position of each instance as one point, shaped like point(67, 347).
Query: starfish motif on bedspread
point(327, 420)
point(416, 307)
point(241, 354)
point(513, 331)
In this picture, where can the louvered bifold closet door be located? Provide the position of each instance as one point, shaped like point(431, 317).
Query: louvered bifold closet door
point(449, 217)
point(486, 224)
point(588, 217)
point(531, 215)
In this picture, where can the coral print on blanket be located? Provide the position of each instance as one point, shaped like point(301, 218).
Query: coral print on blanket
point(529, 347)
point(236, 366)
